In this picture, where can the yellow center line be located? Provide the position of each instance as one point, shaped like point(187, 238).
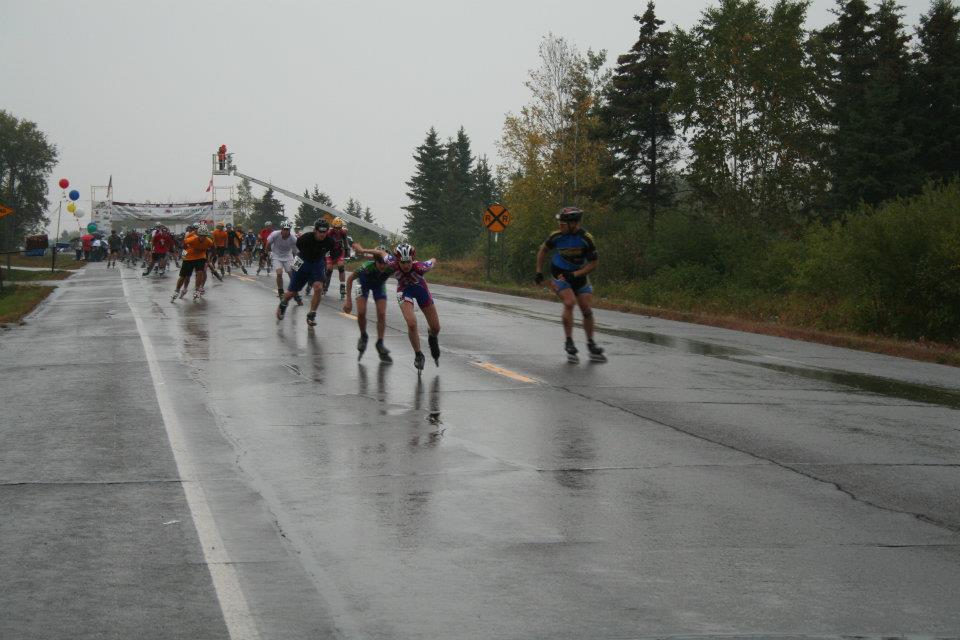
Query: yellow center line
point(492, 368)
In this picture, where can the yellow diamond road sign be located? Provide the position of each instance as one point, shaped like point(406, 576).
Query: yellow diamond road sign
point(496, 218)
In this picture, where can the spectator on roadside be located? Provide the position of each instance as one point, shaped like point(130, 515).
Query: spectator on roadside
point(87, 243)
point(78, 248)
point(222, 156)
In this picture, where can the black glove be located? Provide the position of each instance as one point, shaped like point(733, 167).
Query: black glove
point(538, 278)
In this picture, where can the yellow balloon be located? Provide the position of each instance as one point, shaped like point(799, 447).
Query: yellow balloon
point(71, 207)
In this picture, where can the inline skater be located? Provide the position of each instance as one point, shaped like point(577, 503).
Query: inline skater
point(412, 286)
point(219, 236)
point(309, 266)
point(249, 243)
point(161, 242)
point(234, 242)
point(116, 247)
point(373, 278)
point(282, 245)
point(264, 264)
point(146, 242)
point(574, 257)
point(195, 249)
point(339, 234)
point(136, 248)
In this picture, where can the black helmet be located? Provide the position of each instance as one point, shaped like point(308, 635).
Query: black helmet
point(321, 225)
point(570, 214)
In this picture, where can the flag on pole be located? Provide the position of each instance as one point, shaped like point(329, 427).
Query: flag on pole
point(210, 186)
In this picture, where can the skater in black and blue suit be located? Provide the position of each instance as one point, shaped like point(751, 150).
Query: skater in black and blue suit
point(574, 258)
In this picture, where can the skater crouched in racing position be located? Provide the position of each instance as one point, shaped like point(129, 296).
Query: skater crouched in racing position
point(574, 257)
point(411, 286)
point(309, 266)
point(373, 278)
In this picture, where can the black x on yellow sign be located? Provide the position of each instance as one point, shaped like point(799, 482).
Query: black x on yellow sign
point(496, 218)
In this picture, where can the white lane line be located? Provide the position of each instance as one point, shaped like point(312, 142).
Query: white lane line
point(236, 613)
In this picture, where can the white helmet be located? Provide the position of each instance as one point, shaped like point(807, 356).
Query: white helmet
point(405, 252)
point(203, 230)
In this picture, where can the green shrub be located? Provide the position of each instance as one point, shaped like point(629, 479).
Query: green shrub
point(896, 266)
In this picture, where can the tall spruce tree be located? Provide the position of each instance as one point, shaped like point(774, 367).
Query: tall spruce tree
point(938, 91)
point(307, 214)
point(460, 222)
point(637, 121)
point(268, 208)
point(485, 185)
point(848, 42)
point(872, 155)
point(890, 155)
point(424, 217)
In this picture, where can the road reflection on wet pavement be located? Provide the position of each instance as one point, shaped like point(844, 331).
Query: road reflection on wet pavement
point(702, 482)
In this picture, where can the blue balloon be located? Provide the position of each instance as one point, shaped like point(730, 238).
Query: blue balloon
point(74, 195)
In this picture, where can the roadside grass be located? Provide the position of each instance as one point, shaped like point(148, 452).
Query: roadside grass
point(64, 261)
point(788, 316)
point(21, 275)
point(18, 300)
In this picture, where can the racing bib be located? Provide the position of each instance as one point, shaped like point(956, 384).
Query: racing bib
point(297, 263)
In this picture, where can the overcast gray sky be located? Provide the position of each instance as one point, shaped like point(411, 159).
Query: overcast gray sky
point(333, 93)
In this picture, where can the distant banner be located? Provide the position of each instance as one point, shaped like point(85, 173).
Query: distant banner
point(179, 212)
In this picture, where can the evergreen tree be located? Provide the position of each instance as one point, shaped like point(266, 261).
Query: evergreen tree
point(848, 41)
point(890, 155)
point(307, 214)
point(26, 160)
point(872, 154)
point(637, 120)
point(267, 209)
point(938, 91)
point(460, 219)
point(243, 205)
point(486, 190)
point(423, 217)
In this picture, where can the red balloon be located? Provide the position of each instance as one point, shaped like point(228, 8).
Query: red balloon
point(64, 183)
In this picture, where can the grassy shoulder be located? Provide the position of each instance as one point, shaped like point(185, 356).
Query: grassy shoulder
point(787, 316)
point(22, 275)
point(19, 300)
point(64, 261)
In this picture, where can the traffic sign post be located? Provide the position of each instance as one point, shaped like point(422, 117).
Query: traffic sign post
point(496, 218)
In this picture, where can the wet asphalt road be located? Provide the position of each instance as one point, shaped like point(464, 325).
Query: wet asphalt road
point(199, 470)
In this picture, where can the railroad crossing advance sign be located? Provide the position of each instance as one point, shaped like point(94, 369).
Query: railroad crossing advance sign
point(496, 218)
point(5, 211)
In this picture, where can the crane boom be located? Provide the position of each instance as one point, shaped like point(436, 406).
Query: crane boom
point(360, 222)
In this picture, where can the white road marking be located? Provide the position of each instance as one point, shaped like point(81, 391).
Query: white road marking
point(236, 613)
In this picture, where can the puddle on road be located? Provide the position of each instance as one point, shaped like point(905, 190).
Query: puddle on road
point(876, 385)
point(862, 382)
